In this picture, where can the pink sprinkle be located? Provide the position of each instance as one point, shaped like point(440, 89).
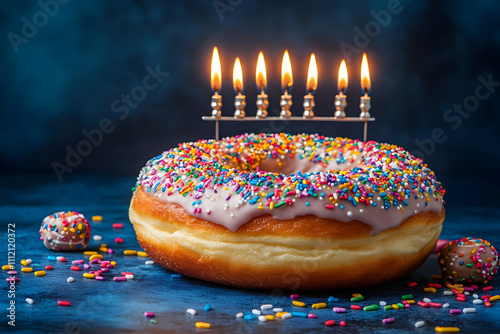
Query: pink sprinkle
point(455, 311)
point(119, 279)
point(104, 270)
point(94, 261)
point(110, 251)
point(388, 321)
point(10, 279)
point(86, 266)
point(119, 240)
point(149, 314)
point(440, 245)
point(311, 316)
point(408, 306)
point(13, 272)
point(294, 296)
point(339, 310)
point(488, 288)
point(99, 278)
point(342, 323)
point(117, 225)
point(110, 266)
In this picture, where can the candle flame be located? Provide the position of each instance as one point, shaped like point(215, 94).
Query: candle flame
point(365, 75)
point(260, 75)
point(286, 72)
point(216, 71)
point(237, 76)
point(343, 78)
point(312, 74)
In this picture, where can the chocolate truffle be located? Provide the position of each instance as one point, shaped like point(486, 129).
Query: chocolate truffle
point(65, 231)
point(468, 260)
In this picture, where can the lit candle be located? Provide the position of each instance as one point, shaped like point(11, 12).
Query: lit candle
point(261, 80)
point(365, 104)
point(312, 84)
point(216, 82)
point(286, 86)
point(240, 99)
point(340, 99)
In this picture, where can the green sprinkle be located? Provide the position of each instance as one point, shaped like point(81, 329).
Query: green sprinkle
point(372, 307)
point(401, 305)
point(153, 321)
point(357, 299)
point(279, 204)
point(387, 307)
point(468, 265)
point(406, 297)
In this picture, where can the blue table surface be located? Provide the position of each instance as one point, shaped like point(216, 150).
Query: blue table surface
point(108, 306)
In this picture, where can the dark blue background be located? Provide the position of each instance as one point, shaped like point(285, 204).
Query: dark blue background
point(64, 79)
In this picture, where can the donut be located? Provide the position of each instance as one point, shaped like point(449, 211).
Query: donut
point(65, 231)
point(282, 211)
point(468, 260)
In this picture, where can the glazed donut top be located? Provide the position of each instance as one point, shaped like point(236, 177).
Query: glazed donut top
point(233, 180)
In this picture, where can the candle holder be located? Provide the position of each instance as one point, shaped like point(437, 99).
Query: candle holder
point(308, 106)
point(365, 106)
point(286, 104)
point(240, 104)
point(216, 105)
point(340, 104)
point(262, 104)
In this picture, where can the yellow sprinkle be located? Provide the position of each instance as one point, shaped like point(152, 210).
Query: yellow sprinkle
point(142, 254)
point(97, 218)
point(430, 289)
point(319, 305)
point(280, 314)
point(27, 270)
point(130, 252)
point(299, 304)
point(40, 273)
point(80, 226)
point(113, 263)
point(72, 230)
point(201, 324)
point(497, 297)
point(439, 329)
point(95, 256)
point(87, 275)
point(103, 249)
point(24, 263)
point(89, 253)
point(395, 306)
point(271, 205)
point(103, 245)
point(357, 295)
point(270, 317)
point(8, 267)
point(410, 301)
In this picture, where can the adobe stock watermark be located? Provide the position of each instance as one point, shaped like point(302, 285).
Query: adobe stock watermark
point(372, 29)
point(121, 108)
point(30, 27)
point(222, 6)
point(454, 116)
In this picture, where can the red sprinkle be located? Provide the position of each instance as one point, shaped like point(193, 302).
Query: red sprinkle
point(330, 323)
point(75, 268)
point(460, 299)
point(488, 288)
point(63, 303)
point(485, 296)
point(421, 303)
point(435, 305)
point(355, 307)
point(487, 304)
point(342, 323)
point(119, 240)
point(62, 259)
point(48, 268)
point(117, 225)
point(412, 284)
point(126, 273)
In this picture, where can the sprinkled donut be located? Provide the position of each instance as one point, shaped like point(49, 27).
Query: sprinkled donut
point(65, 231)
point(288, 211)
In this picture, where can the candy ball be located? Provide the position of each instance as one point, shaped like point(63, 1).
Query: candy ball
point(65, 231)
point(468, 260)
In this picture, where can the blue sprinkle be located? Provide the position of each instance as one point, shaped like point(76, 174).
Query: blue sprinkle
point(176, 276)
point(52, 258)
point(250, 317)
point(299, 314)
point(341, 207)
point(307, 203)
point(332, 299)
point(207, 307)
